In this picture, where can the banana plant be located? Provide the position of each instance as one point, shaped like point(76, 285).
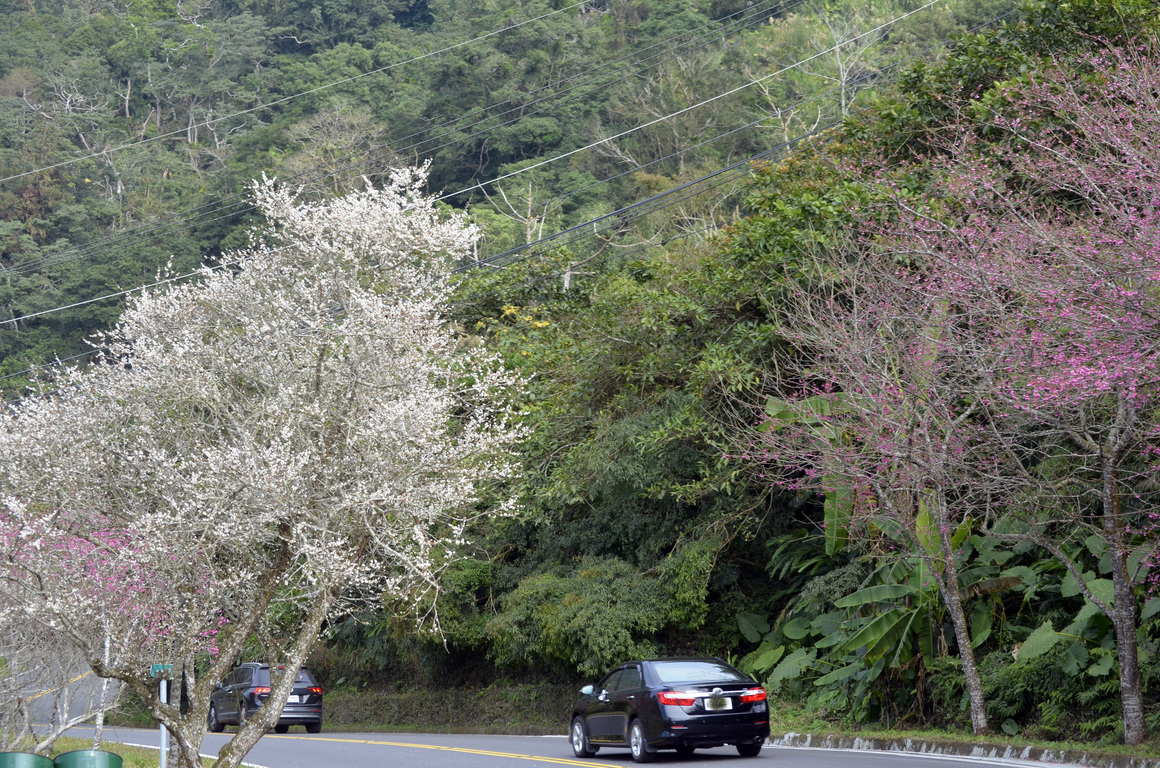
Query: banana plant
point(815, 414)
point(893, 622)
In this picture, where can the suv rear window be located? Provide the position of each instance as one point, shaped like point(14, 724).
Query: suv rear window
point(696, 672)
point(263, 677)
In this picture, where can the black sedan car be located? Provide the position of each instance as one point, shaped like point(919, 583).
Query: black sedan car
point(247, 688)
point(679, 704)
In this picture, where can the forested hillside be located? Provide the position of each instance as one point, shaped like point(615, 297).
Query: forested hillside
point(129, 131)
point(681, 205)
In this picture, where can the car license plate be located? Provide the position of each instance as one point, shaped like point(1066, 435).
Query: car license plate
point(718, 703)
point(293, 699)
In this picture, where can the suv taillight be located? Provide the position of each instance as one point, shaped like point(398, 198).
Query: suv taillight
point(315, 689)
point(752, 695)
point(261, 690)
point(677, 698)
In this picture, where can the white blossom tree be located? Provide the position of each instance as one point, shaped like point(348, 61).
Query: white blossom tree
point(46, 688)
point(257, 450)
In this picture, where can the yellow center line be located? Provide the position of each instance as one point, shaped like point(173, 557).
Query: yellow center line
point(465, 750)
point(50, 690)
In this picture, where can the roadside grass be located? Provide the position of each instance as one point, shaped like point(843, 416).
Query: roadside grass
point(133, 757)
point(515, 709)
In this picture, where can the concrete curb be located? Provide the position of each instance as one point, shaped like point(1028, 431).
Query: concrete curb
point(961, 749)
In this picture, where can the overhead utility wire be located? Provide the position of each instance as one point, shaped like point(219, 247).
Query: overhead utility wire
point(674, 52)
point(530, 246)
point(628, 251)
point(242, 205)
point(748, 125)
point(291, 97)
point(619, 218)
point(490, 262)
point(690, 108)
point(687, 194)
point(566, 154)
point(620, 215)
point(717, 30)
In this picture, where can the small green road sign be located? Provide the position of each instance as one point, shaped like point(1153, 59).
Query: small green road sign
point(157, 670)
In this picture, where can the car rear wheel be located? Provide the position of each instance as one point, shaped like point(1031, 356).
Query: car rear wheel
point(749, 750)
point(280, 728)
point(314, 727)
point(579, 739)
point(637, 745)
point(212, 722)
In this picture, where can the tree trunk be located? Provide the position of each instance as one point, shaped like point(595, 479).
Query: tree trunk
point(1123, 610)
point(232, 754)
point(948, 584)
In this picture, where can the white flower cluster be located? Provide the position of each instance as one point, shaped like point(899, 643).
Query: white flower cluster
point(305, 427)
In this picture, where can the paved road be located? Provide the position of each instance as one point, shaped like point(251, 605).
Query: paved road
point(356, 750)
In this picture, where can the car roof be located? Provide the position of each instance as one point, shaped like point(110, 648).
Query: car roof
point(260, 665)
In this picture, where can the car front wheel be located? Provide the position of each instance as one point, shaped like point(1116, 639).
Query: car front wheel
point(212, 721)
point(749, 750)
point(579, 739)
point(638, 746)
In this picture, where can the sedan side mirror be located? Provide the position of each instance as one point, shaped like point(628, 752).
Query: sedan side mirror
point(588, 690)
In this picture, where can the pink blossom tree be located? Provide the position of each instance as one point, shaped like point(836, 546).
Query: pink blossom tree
point(259, 450)
point(1015, 308)
point(1056, 251)
point(889, 426)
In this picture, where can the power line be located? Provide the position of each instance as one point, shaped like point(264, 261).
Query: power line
point(690, 108)
point(621, 215)
point(542, 163)
point(285, 99)
point(243, 206)
point(572, 234)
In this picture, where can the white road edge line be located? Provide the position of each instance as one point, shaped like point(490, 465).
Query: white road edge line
point(200, 754)
point(933, 756)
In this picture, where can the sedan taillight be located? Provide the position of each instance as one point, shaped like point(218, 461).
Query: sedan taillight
point(752, 695)
point(677, 698)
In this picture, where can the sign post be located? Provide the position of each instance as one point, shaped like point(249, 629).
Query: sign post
point(163, 670)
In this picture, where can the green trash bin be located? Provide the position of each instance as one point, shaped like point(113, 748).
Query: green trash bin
point(24, 760)
point(88, 758)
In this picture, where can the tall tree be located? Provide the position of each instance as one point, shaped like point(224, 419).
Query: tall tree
point(1021, 286)
point(260, 449)
point(889, 426)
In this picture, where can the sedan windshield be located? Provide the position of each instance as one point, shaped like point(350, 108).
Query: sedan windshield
point(695, 671)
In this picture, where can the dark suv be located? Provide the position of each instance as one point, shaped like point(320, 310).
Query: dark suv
point(246, 689)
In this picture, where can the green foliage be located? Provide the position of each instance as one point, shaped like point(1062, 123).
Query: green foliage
point(643, 528)
point(587, 620)
point(875, 633)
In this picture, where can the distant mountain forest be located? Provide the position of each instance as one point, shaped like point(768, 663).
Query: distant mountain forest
point(129, 131)
point(681, 204)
